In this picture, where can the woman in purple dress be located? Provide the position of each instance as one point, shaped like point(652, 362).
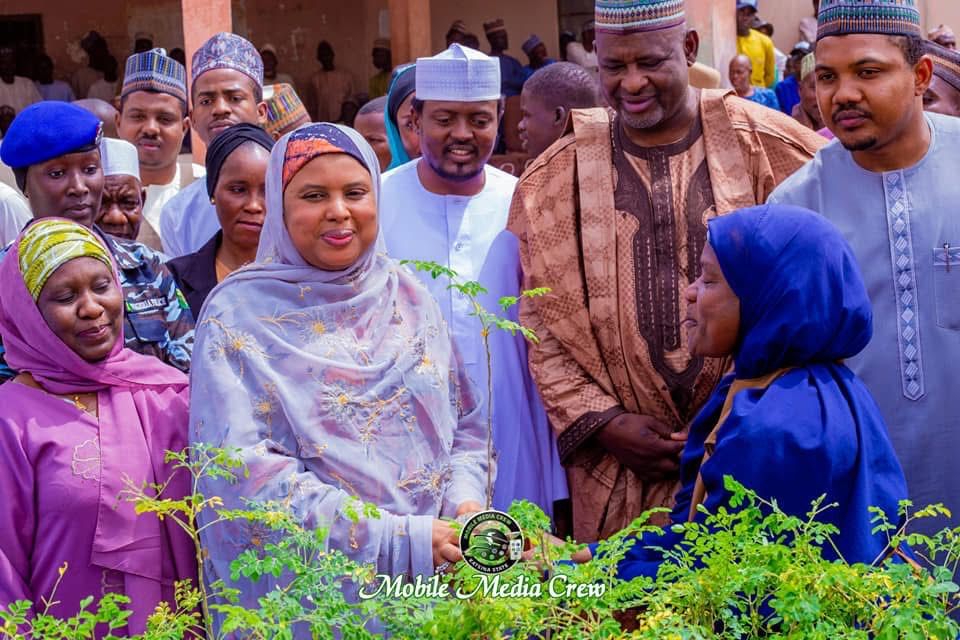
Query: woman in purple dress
point(83, 415)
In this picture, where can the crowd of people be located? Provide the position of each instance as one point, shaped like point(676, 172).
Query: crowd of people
point(730, 292)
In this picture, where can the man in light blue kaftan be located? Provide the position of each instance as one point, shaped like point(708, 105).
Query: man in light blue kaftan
point(890, 184)
point(451, 208)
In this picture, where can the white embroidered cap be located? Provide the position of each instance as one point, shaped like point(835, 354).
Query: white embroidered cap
point(459, 74)
point(119, 158)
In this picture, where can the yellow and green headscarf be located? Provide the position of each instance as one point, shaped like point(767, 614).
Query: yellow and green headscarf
point(47, 245)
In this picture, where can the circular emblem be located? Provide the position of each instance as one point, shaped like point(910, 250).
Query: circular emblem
point(491, 542)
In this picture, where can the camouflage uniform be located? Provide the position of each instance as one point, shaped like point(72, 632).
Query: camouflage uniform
point(157, 320)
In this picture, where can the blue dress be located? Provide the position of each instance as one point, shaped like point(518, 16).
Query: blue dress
point(766, 97)
point(815, 430)
point(788, 94)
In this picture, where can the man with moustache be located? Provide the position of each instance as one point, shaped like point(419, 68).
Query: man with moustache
point(450, 207)
point(57, 155)
point(226, 89)
point(153, 117)
point(612, 218)
point(888, 186)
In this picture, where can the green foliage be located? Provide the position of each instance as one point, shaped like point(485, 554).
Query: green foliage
point(748, 571)
point(488, 322)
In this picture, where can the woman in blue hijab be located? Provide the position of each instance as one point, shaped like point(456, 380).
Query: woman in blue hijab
point(403, 139)
point(781, 293)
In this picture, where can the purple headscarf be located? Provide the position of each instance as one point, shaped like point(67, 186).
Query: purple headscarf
point(335, 384)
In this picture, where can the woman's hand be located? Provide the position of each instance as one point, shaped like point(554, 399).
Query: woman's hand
point(468, 506)
point(446, 548)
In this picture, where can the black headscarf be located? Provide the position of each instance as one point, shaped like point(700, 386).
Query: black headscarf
point(404, 84)
point(226, 143)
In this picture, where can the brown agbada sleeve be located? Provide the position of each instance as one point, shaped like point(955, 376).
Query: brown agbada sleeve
point(576, 402)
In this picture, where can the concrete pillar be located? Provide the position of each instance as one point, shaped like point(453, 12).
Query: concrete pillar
point(409, 29)
point(202, 19)
point(716, 22)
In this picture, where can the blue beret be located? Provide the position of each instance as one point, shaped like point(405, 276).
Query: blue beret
point(47, 130)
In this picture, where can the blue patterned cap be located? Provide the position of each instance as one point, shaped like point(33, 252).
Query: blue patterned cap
point(154, 70)
point(227, 51)
point(47, 130)
point(886, 17)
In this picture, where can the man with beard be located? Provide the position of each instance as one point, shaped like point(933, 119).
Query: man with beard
point(153, 117)
point(56, 152)
point(450, 207)
point(612, 218)
point(226, 89)
point(888, 186)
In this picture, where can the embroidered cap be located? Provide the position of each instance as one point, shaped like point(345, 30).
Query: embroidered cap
point(632, 16)
point(459, 74)
point(946, 63)
point(887, 17)
point(532, 43)
point(154, 70)
point(227, 51)
point(458, 26)
point(494, 26)
point(285, 110)
point(807, 65)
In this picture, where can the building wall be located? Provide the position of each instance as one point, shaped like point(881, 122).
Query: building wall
point(522, 17)
point(66, 21)
point(295, 27)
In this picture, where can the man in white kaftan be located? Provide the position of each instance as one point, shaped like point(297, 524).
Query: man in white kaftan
point(451, 208)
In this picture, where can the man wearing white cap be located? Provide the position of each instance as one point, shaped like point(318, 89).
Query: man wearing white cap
point(121, 205)
point(451, 207)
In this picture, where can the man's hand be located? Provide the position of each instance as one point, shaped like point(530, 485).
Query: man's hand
point(650, 449)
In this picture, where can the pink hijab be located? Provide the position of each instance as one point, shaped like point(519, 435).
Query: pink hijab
point(143, 411)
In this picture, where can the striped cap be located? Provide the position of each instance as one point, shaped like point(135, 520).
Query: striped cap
point(946, 63)
point(285, 110)
point(154, 70)
point(886, 17)
point(631, 16)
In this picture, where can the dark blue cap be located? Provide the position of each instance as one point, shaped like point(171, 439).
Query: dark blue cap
point(47, 130)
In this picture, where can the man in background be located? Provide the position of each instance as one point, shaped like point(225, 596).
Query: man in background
point(49, 88)
point(943, 36)
point(331, 86)
point(370, 124)
point(536, 53)
point(153, 117)
point(15, 91)
point(512, 74)
point(739, 72)
point(547, 99)
point(383, 60)
point(756, 46)
point(226, 89)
